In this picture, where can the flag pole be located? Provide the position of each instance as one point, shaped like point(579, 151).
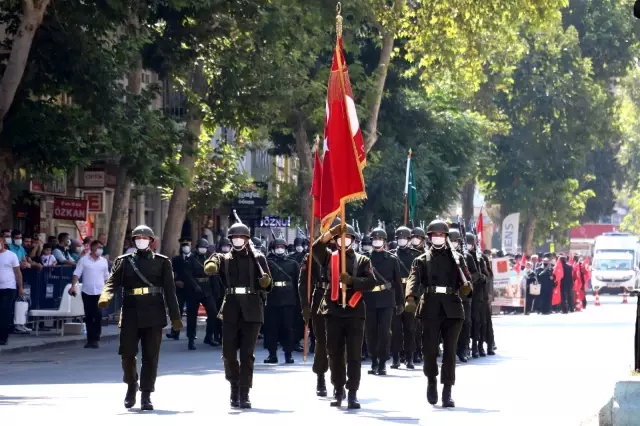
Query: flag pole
point(310, 264)
point(343, 256)
point(406, 189)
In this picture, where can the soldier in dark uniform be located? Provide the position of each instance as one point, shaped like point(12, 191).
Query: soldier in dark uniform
point(419, 242)
point(178, 263)
point(298, 250)
point(224, 246)
point(465, 333)
point(418, 238)
point(245, 275)
point(147, 282)
point(435, 283)
point(478, 298)
point(200, 291)
point(298, 323)
point(385, 301)
point(281, 303)
point(366, 248)
point(345, 326)
point(488, 296)
point(403, 338)
point(319, 284)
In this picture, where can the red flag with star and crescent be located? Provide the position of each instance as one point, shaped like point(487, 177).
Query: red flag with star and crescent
point(344, 154)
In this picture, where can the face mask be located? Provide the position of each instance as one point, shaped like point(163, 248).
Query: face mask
point(347, 242)
point(306, 247)
point(416, 241)
point(225, 249)
point(402, 242)
point(99, 252)
point(78, 249)
point(377, 243)
point(186, 249)
point(355, 246)
point(438, 241)
point(7, 240)
point(238, 243)
point(299, 249)
point(142, 244)
point(17, 242)
point(454, 245)
point(279, 251)
point(367, 248)
point(202, 250)
point(471, 246)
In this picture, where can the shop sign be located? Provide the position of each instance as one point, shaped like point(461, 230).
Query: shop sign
point(275, 222)
point(95, 201)
point(69, 209)
point(253, 196)
point(94, 178)
point(51, 185)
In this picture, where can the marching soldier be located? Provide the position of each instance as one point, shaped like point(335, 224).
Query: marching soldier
point(345, 326)
point(478, 298)
point(178, 263)
point(488, 271)
point(319, 284)
point(366, 248)
point(433, 293)
point(419, 242)
point(281, 303)
point(299, 252)
point(200, 291)
point(465, 333)
point(245, 276)
point(147, 282)
point(403, 336)
point(382, 303)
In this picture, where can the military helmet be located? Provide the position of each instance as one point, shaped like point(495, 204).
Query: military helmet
point(378, 233)
point(224, 241)
point(143, 231)
point(350, 231)
point(454, 234)
point(239, 230)
point(203, 243)
point(279, 242)
point(471, 239)
point(403, 232)
point(257, 242)
point(366, 240)
point(298, 241)
point(437, 226)
point(336, 222)
point(418, 232)
point(392, 245)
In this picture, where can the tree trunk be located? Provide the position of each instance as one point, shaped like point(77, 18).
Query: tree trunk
point(119, 212)
point(180, 198)
point(468, 191)
point(528, 233)
point(303, 151)
point(6, 176)
point(381, 77)
point(32, 14)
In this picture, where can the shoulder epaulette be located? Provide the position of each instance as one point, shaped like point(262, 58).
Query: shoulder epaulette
point(162, 256)
point(124, 255)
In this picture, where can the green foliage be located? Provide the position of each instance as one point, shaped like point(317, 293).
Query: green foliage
point(631, 221)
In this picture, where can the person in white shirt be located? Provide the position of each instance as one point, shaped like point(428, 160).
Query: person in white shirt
point(94, 270)
point(10, 284)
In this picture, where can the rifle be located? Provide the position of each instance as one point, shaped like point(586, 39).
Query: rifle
point(252, 254)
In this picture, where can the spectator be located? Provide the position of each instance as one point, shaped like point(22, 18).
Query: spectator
point(10, 284)
point(17, 247)
point(47, 259)
point(76, 250)
point(61, 252)
point(52, 241)
point(94, 270)
point(33, 247)
point(105, 249)
point(6, 234)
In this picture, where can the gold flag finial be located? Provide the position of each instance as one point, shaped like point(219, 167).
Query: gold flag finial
point(339, 19)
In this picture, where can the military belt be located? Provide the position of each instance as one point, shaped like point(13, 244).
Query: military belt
point(202, 280)
point(239, 290)
point(441, 290)
point(280, 283)
point(404, 280)
point(142, 291)
point(379, 288)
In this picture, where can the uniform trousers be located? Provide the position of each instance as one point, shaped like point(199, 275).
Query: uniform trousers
point(345, 333)
point(403, 334)
point(92, 316)
point(193, 305)
point(489, 325)
point(149, 339)
point(479, 318)
point(465, 332)
point(239, 336)
point(278, 328)
point(378, 332)
point(432, 329)
point(320, 357)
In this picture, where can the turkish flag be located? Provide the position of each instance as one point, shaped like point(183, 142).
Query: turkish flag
point(316, 184)
point(479, 231)
point(344, 155)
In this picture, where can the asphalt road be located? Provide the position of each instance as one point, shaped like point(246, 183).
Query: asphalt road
point(550, 370)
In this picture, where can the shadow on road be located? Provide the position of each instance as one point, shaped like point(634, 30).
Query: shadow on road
point(16, 400)
point(154, 413)
point(260, 411)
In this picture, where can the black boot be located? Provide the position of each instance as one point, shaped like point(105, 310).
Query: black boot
point(352, 401)
point(382, 368)
point(271, 359)
point(395, 361)
point(145, 402)
point(192, 345)
point(245, 402)
point(462, 356)
point(175, 335)
point(481, 351)
point(447, 402)
point(288, 358)
point(374, 366)
point(432, 391)
point(208, 340)
point(410, 365)
point(312, 347)
point(417, 359)
point(234, 398)
point(338, 397)
point(130, 397)
point(321, 386)
point(474, 349)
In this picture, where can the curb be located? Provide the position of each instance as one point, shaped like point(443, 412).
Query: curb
point(55, 344)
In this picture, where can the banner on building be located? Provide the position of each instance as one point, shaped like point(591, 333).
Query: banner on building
point(507, 287)
point(69, 209)
point(95, 201)
point(49, 185)
point(510, 226)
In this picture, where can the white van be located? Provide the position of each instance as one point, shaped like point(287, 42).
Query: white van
point(616, 258)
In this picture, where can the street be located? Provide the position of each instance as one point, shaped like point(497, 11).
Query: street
point(549, 370)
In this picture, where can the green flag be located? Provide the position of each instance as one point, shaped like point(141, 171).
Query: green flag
point(410, 192)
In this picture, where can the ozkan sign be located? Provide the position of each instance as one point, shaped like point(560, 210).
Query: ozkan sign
point(69, 209)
